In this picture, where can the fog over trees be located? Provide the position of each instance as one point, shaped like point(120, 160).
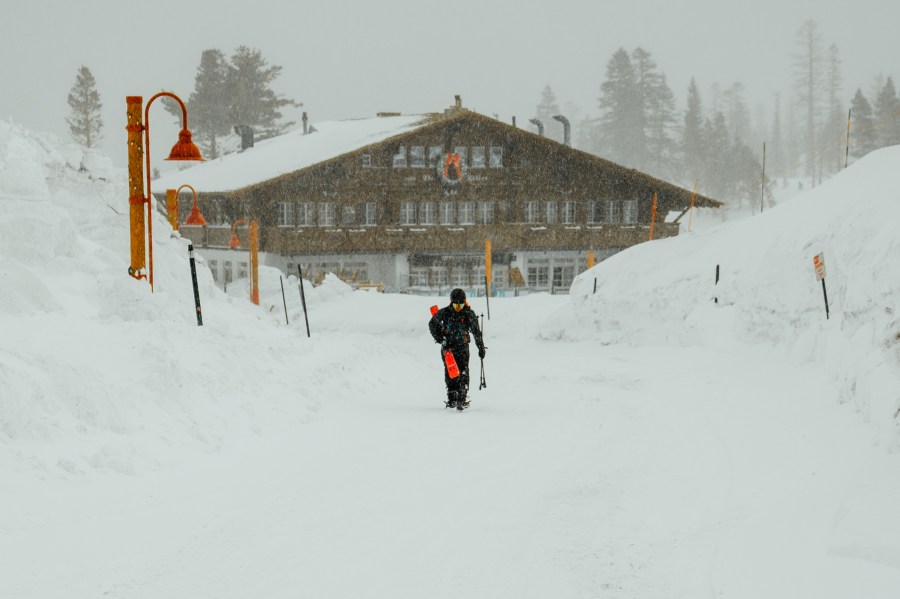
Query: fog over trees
point(716, 140)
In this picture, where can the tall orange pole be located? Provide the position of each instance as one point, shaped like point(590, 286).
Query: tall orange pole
point(136, 198)
point(590, 259)
point(172, 208)
point(254, 262)
point(652, 217)
point(691, 214)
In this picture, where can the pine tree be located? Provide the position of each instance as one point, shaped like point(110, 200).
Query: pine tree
point(863, 134)
point(808, 82)
point(621, 121)
point(737, 115)
point(546, 109)
point(718, 147)
point(693, 146)
point(887, 115)
point(85, 123)
point(775, 147)
point(835, 127)
point(208, 103)
point(661, 123)
point(253, 102)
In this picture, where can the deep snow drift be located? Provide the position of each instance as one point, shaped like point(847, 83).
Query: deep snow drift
point(641, 441)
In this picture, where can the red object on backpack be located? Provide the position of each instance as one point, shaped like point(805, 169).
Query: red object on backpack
point(449, 360)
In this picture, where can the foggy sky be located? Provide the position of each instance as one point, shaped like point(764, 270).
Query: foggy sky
point(354, 58)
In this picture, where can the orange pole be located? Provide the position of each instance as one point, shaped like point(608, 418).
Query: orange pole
point(652, 217)
point(136, 199)
point(254, 262)
point(590, 259)
point(691, 214)
point(172, 208)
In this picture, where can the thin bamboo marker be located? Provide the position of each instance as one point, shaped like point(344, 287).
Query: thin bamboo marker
point(847, 149)
point(691, 213)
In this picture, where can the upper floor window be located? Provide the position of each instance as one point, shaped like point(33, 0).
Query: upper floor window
point(366, 160)
point(532, 212)
point(369, 215)
point(446, 215)
point(417, 156)
point(466, 213)
point(348, 214)
point(400, 157)
point(594, 212)
point(485, 212)
point(568, 215)
point(478, 157)
point(463, 152)
point(408, 213)
point(426, 213)
point(435, 156)
point(326, 214)
point(551, 210)
point(305, 214)
point(630, 212)
point(612, 212)
point(496, 157)
point(285, 214)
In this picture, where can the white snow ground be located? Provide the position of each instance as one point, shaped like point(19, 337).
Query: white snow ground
point(640, 442)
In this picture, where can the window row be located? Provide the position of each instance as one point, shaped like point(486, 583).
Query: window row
point(456, 276)
point(567, 212)
point(469, 157)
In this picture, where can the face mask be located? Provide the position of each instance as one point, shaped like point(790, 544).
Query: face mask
point(458, 307)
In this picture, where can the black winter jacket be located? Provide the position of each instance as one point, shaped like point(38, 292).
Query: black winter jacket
point(454, 327)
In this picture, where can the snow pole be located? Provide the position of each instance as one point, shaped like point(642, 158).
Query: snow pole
point(847, 148)
point(284, 301)
point(303, 299)
point(715, 298)
point(595, 284)
point(487, 296)
point(482, 384)
point(196, 289)
point(762, 191)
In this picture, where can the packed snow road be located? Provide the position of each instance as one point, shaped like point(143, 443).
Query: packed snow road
point(581, 471)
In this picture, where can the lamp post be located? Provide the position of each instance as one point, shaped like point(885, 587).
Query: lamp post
point(194, 219)
point(235, 243)
point(141, 226)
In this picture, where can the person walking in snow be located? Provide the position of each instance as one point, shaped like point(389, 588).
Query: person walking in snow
point(450, 326)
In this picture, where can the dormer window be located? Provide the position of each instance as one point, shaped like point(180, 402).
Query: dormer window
point(400, 157)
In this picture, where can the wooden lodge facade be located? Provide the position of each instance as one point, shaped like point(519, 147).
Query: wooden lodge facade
point(413, 210)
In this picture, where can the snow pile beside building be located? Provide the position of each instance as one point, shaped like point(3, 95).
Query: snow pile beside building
point(664, 292)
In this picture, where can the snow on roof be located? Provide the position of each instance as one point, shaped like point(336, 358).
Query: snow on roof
point(287, 153)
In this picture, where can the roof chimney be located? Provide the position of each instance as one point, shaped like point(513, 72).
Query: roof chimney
point(539, 125)
point(305, 124)
point(514, 121)
point(567, 137)
point(458, 101)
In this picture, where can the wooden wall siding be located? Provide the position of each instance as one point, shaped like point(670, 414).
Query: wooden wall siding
point(534, 168)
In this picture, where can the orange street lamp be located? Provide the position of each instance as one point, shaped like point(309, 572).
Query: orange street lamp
point(195, 218)
point(138, 147)
point(235, 243)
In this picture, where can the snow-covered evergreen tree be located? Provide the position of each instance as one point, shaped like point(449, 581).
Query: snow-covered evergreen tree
point(887, 115)
point(209, 102)
point(253, 102)
point(84, 122)
point(863, 134)
point(546, 109)
point(621, 120)
point(693, 146)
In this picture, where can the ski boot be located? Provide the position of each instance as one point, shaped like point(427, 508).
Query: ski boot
point(451, 400)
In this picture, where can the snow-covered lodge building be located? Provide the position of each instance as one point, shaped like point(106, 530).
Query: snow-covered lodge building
point(407, 202)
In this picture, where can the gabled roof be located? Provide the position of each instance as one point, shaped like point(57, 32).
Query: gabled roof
point(289, 152)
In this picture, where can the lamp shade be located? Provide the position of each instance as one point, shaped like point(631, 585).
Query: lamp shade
point(185, 148)
point(195, 218)
point(235, 242)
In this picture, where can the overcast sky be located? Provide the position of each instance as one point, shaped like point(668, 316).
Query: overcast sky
point(355, 58)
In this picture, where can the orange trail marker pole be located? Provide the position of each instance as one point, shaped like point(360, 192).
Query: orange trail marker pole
point(691, 213)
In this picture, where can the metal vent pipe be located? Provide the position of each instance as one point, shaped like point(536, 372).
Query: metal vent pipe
point(567, 129)
point(539, 125)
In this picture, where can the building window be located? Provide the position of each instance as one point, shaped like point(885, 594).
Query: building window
point(538, 276)
point(348, 214)
point(305, 215)
point(463, 152)
point(478, 158)
point(612, 211)
point(532, 212)
point(326, 214)
point(568, 215)
point(418, 277)
point(630, 212)
point(563, 275)
point(485, 212)
point(496, 157)
point(417, 156)
point(594, 212)
point(435, 156)
point(366, 160)
point(467, 213)
point(408, 213)
point(229, 272)
point(285, 214)
point(440, 276)
point(400, 157)
point(426, 213)
point(552, 207)
point(500, 276)
point(370, 218)
point(459, 276)
point(242, 271)
point(214, 269)
point(447, 213)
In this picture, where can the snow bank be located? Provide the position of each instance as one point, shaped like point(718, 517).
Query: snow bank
point(664, 292)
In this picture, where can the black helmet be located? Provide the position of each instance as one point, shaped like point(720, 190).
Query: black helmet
point(458, 296)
